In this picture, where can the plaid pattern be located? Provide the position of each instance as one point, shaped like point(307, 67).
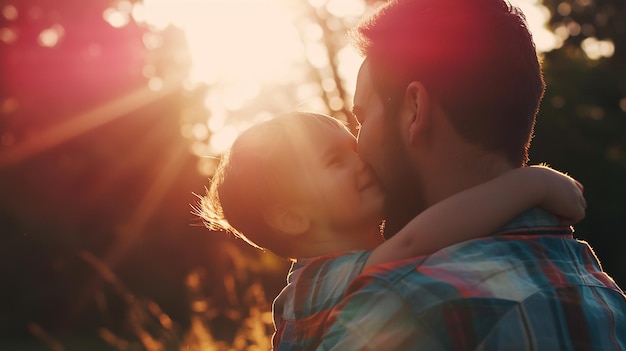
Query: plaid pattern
point(531, 287)
point(314, 287)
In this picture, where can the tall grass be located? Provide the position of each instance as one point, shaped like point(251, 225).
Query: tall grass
point(146, 327)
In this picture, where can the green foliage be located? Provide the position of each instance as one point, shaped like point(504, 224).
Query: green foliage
point(582, 121)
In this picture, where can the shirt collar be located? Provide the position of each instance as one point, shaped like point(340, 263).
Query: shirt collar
point(535, 220)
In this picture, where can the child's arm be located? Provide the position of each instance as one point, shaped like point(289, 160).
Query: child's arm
point(480, 210)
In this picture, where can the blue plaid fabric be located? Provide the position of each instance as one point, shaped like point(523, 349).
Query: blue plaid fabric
point(530, 287)
point(314, 287)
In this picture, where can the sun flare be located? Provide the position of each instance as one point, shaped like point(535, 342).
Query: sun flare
point(232, 42)
point(235, 47)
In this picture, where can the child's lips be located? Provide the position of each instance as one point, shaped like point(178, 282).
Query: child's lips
point(367, 183)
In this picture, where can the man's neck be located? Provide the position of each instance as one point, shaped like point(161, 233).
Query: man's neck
point(438, 178)
point(447, 176)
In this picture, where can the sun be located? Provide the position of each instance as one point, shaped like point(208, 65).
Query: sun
point(236, 47)
point(232, 42)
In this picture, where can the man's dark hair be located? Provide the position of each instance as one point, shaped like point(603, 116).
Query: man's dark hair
point(476, 58)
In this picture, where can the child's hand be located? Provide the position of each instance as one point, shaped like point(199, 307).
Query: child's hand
point(563, 196)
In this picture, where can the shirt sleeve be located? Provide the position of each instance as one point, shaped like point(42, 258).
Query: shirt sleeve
point(315, 287)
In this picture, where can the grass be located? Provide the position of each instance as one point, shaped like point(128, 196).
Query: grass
point(146, 327)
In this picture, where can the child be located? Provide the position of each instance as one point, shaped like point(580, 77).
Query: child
point(296, 186)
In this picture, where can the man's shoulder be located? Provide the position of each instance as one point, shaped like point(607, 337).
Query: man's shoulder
point(490, 290)
point(430, 279)
point(511, 267)
point(493, 267)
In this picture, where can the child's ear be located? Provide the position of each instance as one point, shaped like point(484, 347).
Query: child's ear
point(418, 111)
point(287, 219)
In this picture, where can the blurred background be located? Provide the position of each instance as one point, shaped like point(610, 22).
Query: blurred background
point(113, 115)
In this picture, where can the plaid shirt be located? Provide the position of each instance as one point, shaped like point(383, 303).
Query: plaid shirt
point(314, 287)
point(531, 287)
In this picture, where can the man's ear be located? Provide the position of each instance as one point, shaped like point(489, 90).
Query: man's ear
point(288, 219)
point(417, 103)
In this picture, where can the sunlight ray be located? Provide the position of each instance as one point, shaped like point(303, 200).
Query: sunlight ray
point(123, 166)
point(84, 122)
point(132, 230)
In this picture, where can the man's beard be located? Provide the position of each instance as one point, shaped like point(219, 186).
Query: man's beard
point(403, 199)
point(400, 208)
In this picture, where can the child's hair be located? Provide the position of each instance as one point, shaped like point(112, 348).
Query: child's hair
point(263, 169)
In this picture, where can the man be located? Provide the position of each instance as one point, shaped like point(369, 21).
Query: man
point(447, 98)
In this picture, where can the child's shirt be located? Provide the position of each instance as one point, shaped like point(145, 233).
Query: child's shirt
point(314, 287)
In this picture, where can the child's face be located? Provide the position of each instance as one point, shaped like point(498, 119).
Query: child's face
point(346, 194)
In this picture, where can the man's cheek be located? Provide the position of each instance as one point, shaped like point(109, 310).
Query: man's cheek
point(363, 145)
